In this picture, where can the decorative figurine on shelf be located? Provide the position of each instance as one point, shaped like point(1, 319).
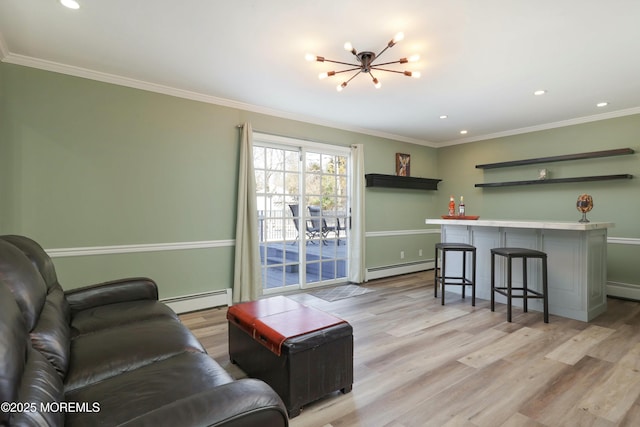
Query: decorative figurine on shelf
point(584, 205)
point(543, 174)
point(461, 206)
point(452, 206)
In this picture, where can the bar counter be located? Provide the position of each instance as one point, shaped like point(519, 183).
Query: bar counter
point(576, 252)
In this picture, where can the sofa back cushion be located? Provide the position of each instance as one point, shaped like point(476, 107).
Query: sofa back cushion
point(24, 281)
point(13, 348)
point(38, 257)
point(52, 334)
point(26, 376)
point(44, 308)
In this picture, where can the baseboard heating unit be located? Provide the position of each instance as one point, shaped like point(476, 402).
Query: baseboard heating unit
point(397, 269)
point(201, 301)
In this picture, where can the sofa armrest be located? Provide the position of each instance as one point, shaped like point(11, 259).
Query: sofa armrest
point(115, 291)
point(242, 403)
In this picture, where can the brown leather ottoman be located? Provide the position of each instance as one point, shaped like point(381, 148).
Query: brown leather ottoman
point(303, 353)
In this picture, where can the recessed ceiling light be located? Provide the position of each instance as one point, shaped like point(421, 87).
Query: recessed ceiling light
point(71, 4)
point(444, 116)
point(540, 92)
point(463, 132)
point(602, 104)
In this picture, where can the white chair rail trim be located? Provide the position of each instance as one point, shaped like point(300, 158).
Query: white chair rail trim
point(624, 240)
point(143, 247)
point(402, 232)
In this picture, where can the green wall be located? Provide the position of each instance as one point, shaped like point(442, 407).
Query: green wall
point(85, 163)
point(91, 164)
point(614, 201)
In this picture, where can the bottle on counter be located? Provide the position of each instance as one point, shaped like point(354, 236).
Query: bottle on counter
point(452, 207)
point(461, 206)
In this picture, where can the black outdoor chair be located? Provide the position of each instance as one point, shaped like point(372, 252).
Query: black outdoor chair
point(310, 231)
point(341, 226)
point(320, 224)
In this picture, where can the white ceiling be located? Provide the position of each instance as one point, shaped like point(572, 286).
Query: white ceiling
point(480, 61)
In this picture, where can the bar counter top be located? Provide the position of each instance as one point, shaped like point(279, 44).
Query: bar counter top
point(541, 225)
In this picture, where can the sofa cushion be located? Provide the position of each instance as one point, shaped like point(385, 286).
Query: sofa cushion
point(110, 352)
point(137, 392)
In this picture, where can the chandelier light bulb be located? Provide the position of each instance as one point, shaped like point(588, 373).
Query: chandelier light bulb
point(310, 57)
point(414, 58)
point(414, 74)
point(376, 83)
point(341, 86)
point(398, 37)
point(327, 74)
point(71, 4)
point(348, 46)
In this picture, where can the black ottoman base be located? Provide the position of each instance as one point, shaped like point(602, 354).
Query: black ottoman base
point(309, 367)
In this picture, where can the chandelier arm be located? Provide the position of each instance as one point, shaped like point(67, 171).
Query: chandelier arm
point(343, 63)
point(386, 69)
point(350, 69)
point(375, 80)
point(353, 77)
point(399, 61)
point(382, 51)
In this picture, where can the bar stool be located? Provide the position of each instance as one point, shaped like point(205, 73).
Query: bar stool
point(442, 279)
point(525, 292)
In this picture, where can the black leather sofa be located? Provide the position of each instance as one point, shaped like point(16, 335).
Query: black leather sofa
point(108, 355)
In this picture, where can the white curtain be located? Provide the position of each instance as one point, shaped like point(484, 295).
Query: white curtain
point(357, 235)
point(247, 279)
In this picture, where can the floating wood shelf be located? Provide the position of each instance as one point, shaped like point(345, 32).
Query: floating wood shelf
point(556, 180)
point(564, 158)
point(393, 181)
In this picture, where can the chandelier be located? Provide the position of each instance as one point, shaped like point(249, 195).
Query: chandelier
point(366, 63)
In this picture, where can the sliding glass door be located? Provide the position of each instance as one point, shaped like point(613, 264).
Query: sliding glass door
point(303, 212)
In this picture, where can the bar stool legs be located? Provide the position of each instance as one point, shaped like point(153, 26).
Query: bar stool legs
point(526, 293)
point(440, 278)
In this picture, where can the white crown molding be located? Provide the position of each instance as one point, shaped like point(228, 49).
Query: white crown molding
point(195, 96)
point(546, 126)
point(145, 247)
point(8, 57)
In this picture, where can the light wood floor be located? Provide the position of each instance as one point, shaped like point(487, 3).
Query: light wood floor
point(417, 363)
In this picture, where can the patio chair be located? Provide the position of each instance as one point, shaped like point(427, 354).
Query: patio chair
point(310, 231)
point(320, 224)
point(341, 226)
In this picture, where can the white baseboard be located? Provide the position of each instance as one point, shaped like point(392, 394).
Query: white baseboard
point(623, 290)
point(395, 270)
point(200, 301)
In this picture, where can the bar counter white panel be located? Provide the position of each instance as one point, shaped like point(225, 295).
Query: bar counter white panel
point(576, 257)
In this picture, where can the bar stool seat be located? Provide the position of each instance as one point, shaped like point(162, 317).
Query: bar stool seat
point(522, 292)
point(440, 277)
